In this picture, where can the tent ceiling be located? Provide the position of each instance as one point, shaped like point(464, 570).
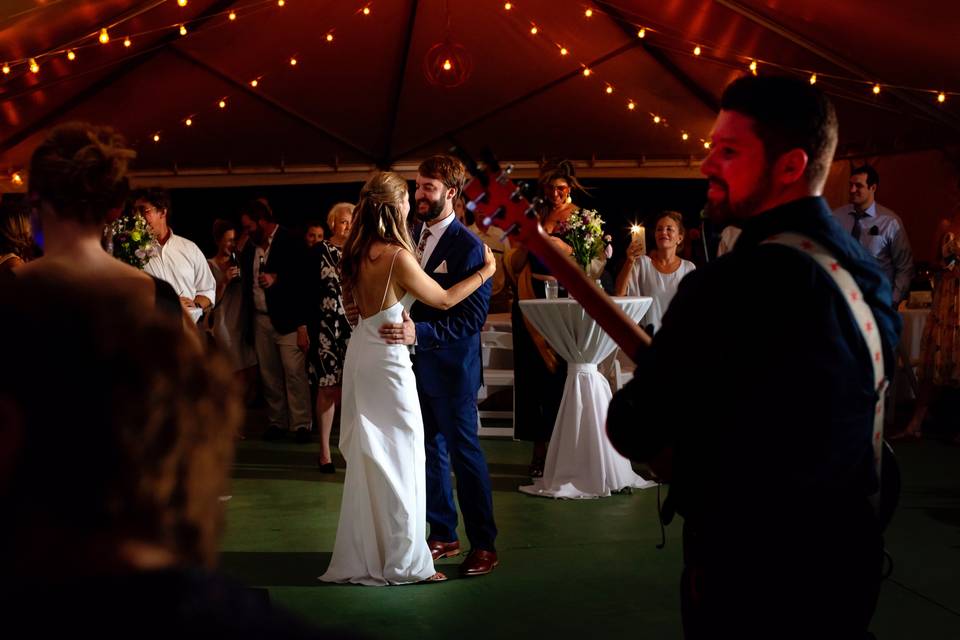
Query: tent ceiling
point(363, 99)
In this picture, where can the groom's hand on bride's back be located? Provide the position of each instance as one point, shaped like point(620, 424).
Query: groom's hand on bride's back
point(399, 332)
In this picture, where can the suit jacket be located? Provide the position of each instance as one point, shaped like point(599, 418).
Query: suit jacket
point(447, 357)
point(286, 299)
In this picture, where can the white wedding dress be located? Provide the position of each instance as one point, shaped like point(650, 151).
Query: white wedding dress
point(381, 536)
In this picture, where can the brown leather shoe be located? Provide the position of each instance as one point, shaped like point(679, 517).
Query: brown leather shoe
point(478, 563)
point(440, 549)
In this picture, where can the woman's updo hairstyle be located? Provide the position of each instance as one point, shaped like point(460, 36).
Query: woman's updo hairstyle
point(80, 169)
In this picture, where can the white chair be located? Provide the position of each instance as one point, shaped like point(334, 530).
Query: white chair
point(623, 368)
point(497, 358)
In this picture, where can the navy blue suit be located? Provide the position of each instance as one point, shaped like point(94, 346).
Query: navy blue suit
point(448, 370)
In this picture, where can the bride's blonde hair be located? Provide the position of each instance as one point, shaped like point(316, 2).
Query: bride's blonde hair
point(377, 216)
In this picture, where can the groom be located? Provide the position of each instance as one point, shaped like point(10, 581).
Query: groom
point(447, 366)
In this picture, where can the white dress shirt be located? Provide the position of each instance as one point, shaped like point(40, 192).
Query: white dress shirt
point(436, 232)
point(180, 263)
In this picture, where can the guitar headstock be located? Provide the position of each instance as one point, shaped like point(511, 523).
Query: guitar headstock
point(497, 201)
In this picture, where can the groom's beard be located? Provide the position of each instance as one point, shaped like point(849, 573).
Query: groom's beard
point(434, 209)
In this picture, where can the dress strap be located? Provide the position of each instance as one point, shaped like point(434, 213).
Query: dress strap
point(386, 287)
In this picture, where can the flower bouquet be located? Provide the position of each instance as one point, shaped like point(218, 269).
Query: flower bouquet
point(583, 231)
point(130, 240)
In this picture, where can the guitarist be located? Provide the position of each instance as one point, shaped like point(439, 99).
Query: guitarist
point(772, 427)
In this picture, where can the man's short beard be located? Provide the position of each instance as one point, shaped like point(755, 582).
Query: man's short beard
point(724, 212)
point(434, 209)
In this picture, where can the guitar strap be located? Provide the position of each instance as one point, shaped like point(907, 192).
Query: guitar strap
point(865, 321)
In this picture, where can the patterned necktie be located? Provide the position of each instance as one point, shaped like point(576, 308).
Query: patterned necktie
point(857, 216)
point(422, 244)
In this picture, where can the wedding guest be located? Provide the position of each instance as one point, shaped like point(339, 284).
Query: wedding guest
point(501, 293)
point(656, 275)
point(329, 328)
point(16, 238)
point(78, 179)
point(940, 347)
point(110, 492)
point(226, 320)
point(539, 373)
point(314, 233)
point(178, 260)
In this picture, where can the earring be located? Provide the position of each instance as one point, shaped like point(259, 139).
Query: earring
point(569, 199)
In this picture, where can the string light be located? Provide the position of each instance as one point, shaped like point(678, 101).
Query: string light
point(16, 179)
point(588, 13)
point(183, 29)
point(753, 67)
point(507, 6)
point(188, 122)
point(280, 3)
point(684, 136)
point(156, 137)
point(813, 78)
point(876, 89)
point(329, 37)
point(563, 51)
point(233, 15)
point(642, 33)
point(182, 3)
point(254, 82)
point(696, 50)
point(533, 30)
point(34, 67)
point(447, 66)
point(6, 69)
point(706, 144)
point(366, 11)
point(293, 62)
point(656, 119)
point(587, 72)
point(223, 103)
point(631, 105)
point(127, 42)
point(71, 55)
point(104, 36)
point(941, 97)
point(609, 89)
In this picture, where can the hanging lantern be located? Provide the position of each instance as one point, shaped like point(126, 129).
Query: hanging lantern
point(447, 64)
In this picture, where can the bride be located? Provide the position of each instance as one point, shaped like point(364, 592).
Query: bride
point(381, 535)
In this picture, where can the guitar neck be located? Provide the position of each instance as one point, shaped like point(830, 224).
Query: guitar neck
point(618, 325)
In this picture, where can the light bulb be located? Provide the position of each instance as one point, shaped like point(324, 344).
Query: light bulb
point(684, 136)
point(71, 55)
point(127, 42)
point(533, 30)
point(104, 36)
point(696, 50)
point(222, 104)
point(156, 137)
point(447, 66)
point(609, 89)
point(631, 105)
point(753, 67)
point(366, 11)
point(182, 3)
point(254, 83)
point(34, 67)
point(188, 122)
point(293, 62)
point(813, 78)
point(329, 37)
point(706, 145)
point(656, 119)
point(183, 29)
point(642, 33)
point(586, 71)
point(6, 68)
point(563, 51)
point(16, 179)
point(507, 6)
point(280, 3)
point(876, 89)
point(941, 97)
point(588, 13)
point(233, 15)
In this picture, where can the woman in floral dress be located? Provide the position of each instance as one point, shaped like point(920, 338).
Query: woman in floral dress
point(330, 326)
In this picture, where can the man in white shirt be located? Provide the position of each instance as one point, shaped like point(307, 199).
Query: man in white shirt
point(178, 261)
point(878, 229)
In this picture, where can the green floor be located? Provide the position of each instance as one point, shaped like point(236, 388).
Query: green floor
point(586, 569)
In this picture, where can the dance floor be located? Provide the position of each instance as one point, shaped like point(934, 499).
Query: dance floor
point(569, 569)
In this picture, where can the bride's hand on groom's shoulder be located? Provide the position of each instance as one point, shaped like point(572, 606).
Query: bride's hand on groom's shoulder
point(399, 332)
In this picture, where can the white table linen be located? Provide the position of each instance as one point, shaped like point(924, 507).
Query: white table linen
point(581, 462)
